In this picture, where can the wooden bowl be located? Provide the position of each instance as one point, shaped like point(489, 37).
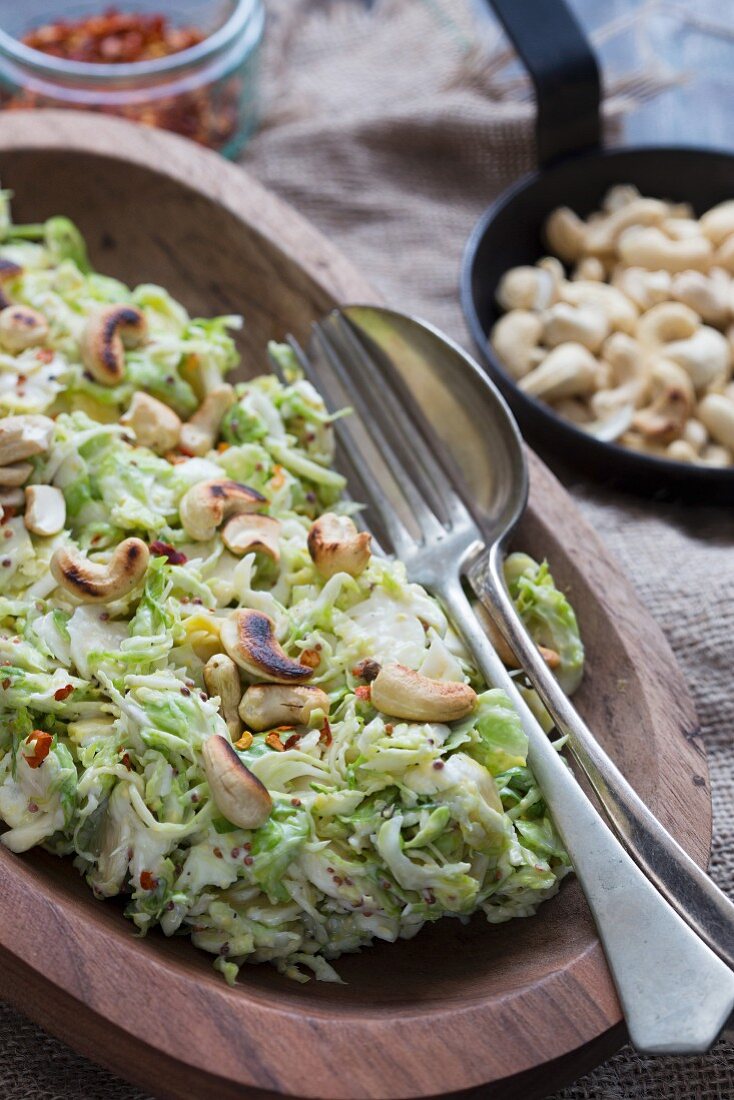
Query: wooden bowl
point(523, 1005)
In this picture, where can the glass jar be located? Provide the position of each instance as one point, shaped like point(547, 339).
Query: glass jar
point(207, 92)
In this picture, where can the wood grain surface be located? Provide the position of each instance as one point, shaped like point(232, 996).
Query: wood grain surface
point(523, 1005)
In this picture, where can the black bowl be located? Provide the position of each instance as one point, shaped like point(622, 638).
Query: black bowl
point(510, 233)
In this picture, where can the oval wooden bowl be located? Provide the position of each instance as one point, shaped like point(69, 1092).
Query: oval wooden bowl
point(522, 1005)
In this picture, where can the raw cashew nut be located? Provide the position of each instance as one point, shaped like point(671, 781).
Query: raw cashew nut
point(199, 433)
point(724, 255)
point(709, 295)
point(45, 510)
point(336, 546)
point(695, 433)
point(107, 333)
point(665, 323)
point(651, 249)
point(222, 679)
point(618, 196)
point(14, 475)
point(565, 233)
point(245, 534)
point(97, 582)
point(21, 327)
point(716, 455)
point(23, 436)
point(515, 339)
point(602, 234)
point(206, 505)
point(716, 413)
point(718, 223)
point(249, 638)
point(265, 706)
point(402, 693)
point(644, 288)
point(680, 450)
point(155, 424)
point(568, 371)
point(585, 325)
point(590, 269)
point(239, 795)
point(705, 355)
point(620, 312)
point(527, 288)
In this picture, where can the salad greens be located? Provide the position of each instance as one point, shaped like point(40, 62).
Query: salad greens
point(378, 824)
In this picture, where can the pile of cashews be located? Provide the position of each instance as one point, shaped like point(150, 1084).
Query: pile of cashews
point(633, 339)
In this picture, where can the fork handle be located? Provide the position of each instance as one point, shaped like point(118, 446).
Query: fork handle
point(676, 994)
point(699, 901)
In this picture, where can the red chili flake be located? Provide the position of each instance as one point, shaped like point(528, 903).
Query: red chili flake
point(95, 539)
point(127, 761)
point(325, 737)
point(148, 881)
point(218, 853)
point(275, 742)
point(292, 740)
point(41, 742)
point(311, 658)
point(164, 550)
point(9, 512)
point(366, 670)
point(21, 380)
point(63, 693)
point(364, 692)
point(389, 727)
point(44, 355)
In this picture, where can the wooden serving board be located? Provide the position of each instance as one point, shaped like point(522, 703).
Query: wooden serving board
point(524, 1005)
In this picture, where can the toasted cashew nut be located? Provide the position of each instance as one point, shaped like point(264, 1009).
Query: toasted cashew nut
point(45, 510)
point(155, 424)
point(222, 678)
point(23, 436)
point(403, 693)
point(245, 534)
point(705, 355)
point(12, 498)
point(208, 504)
point(238, 794)
point(709, 295)
point(336, 546)
point(716, 413)
point(650, 248)
point(567, 371)
point(107, 333)
point(8, 271)
point(527, 288)
point(249, 638)
point(15, 474)
point(199, 433)
point(22, 327)
point(265, 706)
point(585, 325)
point(94, 581)
point(565, 233)
point(718, 223)
point(644, 288)
point(617, 307)
point(667, 322)
point(515, 339)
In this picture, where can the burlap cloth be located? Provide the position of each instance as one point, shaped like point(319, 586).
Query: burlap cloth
point(392, 129)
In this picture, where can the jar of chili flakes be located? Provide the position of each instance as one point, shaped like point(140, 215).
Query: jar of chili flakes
point(189, 66)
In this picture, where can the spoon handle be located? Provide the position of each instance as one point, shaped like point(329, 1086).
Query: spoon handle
point(698, 900)
point(676, 994)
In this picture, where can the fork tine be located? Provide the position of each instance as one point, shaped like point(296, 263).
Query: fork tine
point(406, 431)
point(369, 403)
point(385, 526)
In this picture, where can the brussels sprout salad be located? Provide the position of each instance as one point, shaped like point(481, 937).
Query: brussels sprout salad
point(215, 697)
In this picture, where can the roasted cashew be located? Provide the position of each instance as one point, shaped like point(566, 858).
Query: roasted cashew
point(155, 424)
point(515, 339)
point(249, 638)
point(97, 582)
point(245, 534)
point(8, 272)
point(206, 505)
point(403, 693)
point(21, 327)
point(222, 679)
point(568, 371)
point(336, 546)
point(239, 795)
point(15, 474)
point(265, 706)
point(109, 330)
point(199, 433)
point(22, 437)
point(45, 510)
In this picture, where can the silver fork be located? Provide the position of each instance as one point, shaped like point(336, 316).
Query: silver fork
point(675, 992)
